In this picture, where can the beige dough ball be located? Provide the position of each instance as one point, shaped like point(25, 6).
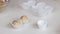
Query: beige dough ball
point(24, 18)
point(15, 22)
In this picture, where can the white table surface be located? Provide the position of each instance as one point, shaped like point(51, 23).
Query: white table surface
point(13, 12)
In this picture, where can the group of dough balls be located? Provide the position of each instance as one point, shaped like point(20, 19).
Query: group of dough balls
point(22, 20)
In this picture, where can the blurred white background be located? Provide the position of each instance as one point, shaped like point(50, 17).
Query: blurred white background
point(13, 12)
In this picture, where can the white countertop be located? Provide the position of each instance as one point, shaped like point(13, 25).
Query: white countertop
point(12, 12)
